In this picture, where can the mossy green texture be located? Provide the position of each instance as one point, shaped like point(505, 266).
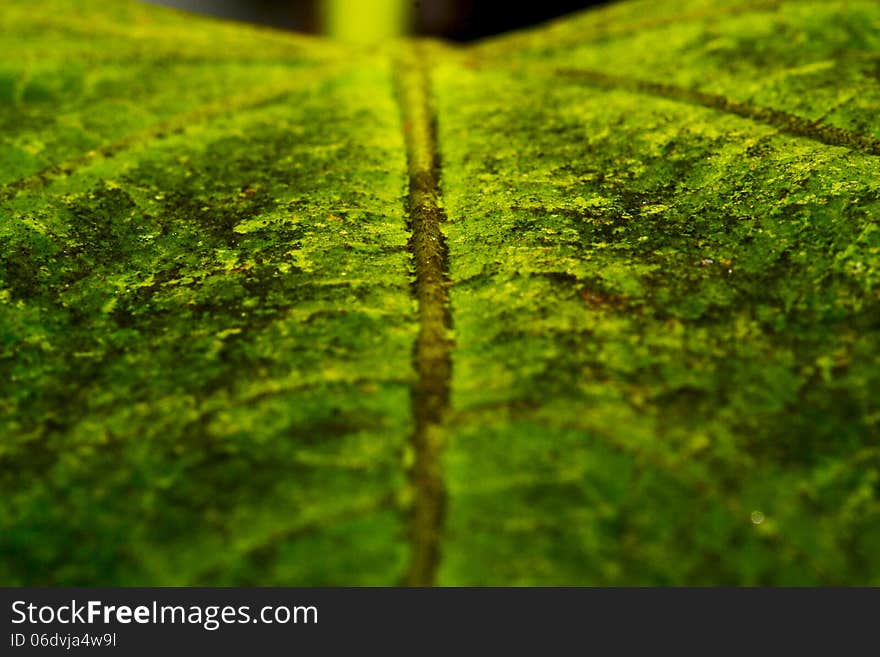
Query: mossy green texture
point(665, 312)
point(206, 336)
point(667, 316)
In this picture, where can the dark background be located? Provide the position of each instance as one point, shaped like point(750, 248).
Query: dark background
point(459, 20)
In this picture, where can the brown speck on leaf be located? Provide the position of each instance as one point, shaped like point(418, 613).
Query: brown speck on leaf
point(598, 300)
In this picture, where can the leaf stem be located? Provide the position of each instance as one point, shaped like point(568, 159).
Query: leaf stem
point(366, 21)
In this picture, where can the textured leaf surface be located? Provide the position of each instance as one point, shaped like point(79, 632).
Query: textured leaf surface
point(593, 304)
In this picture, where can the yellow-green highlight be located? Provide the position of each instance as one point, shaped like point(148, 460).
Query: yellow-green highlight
point(366, 21)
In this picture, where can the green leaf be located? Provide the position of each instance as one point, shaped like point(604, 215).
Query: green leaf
point(596, 303)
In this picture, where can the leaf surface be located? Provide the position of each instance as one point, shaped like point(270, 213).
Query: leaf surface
point(596, 303)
